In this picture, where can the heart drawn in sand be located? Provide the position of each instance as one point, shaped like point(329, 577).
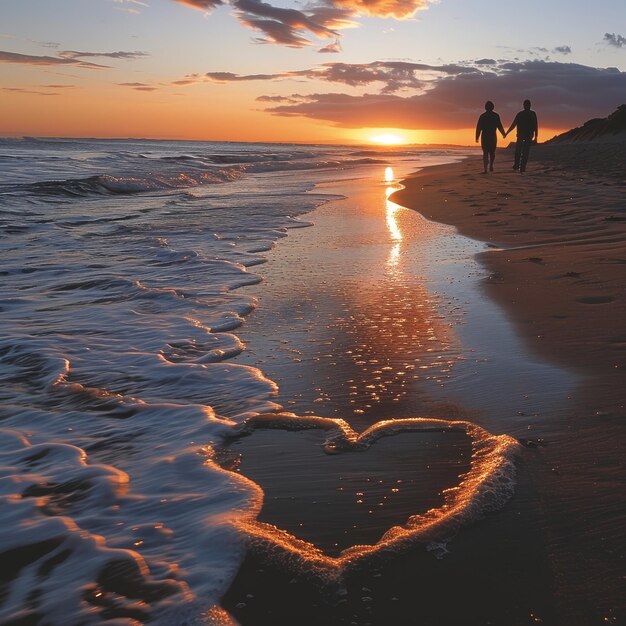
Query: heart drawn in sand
point(485, 486)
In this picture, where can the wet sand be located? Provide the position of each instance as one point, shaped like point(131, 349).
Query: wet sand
point(555, 267)
point(560, 274)
point(338, 337)
point(360, 494)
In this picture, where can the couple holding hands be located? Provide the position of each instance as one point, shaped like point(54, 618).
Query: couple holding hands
point(527, 133)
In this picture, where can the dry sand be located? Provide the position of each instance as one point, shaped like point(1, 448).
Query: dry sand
point(559, 269)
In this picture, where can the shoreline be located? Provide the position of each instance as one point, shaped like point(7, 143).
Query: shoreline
point(367, 280)
point(553, 552)
point(558, 270)
point(557, 265)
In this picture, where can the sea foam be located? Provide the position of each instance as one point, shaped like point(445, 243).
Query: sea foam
point(121, 262)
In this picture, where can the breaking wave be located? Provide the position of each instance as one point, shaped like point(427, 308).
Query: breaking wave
point(124, 185)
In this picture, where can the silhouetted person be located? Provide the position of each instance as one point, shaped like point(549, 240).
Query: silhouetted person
point(527, 133)
point(488, 123)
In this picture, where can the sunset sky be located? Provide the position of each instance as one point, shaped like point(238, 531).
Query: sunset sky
point(285, 70)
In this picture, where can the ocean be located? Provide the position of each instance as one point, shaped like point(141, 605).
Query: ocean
point(128, 268)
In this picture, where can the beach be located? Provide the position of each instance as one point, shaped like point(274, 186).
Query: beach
point(279, 346)
point(562, 227)
point(554, 265)
point(261, 384)
point(559, 270)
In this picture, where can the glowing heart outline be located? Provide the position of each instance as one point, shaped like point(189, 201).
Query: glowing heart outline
point(486, 486)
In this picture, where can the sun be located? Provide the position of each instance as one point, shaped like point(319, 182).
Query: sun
point(388, 139)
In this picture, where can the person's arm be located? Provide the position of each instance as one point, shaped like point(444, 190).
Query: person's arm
point(512, 126)
point(536, 129)
point(478, 129)
point(500, 128)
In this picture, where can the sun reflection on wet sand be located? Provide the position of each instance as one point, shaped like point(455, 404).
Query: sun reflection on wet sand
point(359, 321)
point(391, 208)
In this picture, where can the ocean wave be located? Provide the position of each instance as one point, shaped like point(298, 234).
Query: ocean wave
point(107, 184)
point(118, 389)
point(290, 166)
point(260, 157)
point(72, 557)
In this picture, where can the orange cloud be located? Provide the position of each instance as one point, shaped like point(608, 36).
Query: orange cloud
point(205, 5)
point(290, 26)
point(139, 86)
point(399, 9)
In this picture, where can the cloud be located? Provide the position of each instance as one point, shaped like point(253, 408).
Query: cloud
point(391, 76)
point(186, 81)
point(285, 26)
point(44, 44)
point(562, 50)
point(47, 44)
point(205, 5)
point(564, 95)
point(30, 92)
point(332, 48)
point(282, 99)
point(292, 27)
point(383, 8)
point(73, 54)
point(617, 41)
point(139, 86)
point(275, 32)
point(229, 77)
point(131, 9)
point(29, 59)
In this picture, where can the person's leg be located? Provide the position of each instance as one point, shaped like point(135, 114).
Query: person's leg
point(518, 153)
point(492, 157)
point(525, 153)
point(485, 159)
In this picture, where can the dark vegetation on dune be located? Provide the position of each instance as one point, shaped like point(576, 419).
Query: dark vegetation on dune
point(605, 129)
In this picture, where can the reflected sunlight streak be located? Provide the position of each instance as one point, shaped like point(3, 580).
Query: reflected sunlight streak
point(391, 209)
point(394, 253)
